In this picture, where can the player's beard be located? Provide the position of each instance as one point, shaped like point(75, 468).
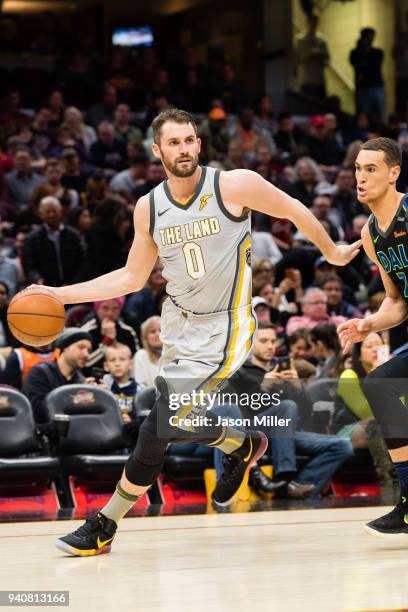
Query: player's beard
point(177, 170)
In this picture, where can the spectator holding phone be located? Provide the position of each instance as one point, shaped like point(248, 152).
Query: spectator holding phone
point(262, 373)
point(354, 414)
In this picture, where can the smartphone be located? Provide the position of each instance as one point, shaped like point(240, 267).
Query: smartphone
point(383, 353)
point(283, 364)
point(97, 374)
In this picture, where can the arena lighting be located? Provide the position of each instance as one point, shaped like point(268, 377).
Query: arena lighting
point(26, 6)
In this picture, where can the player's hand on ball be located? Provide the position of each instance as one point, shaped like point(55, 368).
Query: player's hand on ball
point(352, 331)
point(343, 253)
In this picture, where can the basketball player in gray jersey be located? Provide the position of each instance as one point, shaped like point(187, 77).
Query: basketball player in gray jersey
point(198, 222)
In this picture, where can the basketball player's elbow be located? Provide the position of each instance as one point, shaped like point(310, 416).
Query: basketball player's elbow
point(132, 280)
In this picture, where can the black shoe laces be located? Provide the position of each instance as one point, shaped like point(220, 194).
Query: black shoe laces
point(91, 525)
point(231, 468)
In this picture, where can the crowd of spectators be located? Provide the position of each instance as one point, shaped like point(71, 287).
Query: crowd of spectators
point(71, 175)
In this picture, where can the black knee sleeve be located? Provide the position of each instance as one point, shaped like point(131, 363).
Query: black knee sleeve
point(145, 463)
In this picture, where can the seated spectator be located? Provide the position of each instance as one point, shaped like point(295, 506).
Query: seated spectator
point(332, 285)
point(260, 375)
point(214, 135)
point(53, 253)
point(12, 117)
point(146, 362)
point(96, 191)
point(145, 303)
point(299, 345)
point(288, 135)
point(104, 110)
point(107, 238)
point(276, 296)
point(324, 149)
point(321, 208)
point(155, 174)
point(263, 271)
point(250, 136)
point(106, 327)
point(314, 309)
point(68, 198)
point(21, 182)
point(29, 217)
point(127, 181)
point(22, 359)
point(307, 175)
point(235, 156)
point(6, 337)
point(262, 310)
point(355, 417)
point(265, 247)
point(10, 271)
point(81, 220)
point(118, 364)
point(74, 177)
point(66, 141)
point(75, 346)
point(56, 105)
point(107, 152)
point(40, 140)
point(326, 349)
point(80, 132)
point(345, 199)
point(124, 131)
point(265, 119)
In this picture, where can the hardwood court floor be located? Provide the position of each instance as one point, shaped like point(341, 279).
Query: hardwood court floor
point(296, 561)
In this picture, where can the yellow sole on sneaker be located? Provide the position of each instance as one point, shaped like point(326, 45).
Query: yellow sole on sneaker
point(77, 552)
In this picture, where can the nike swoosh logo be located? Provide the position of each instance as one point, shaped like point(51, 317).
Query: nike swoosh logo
point(406, 519)
point(375, 239)
point(159, 214)
point(100, 544)
point(246, 459)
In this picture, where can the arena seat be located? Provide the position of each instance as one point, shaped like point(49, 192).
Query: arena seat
point(90, 450)
point(23, 461)
point(322, 394)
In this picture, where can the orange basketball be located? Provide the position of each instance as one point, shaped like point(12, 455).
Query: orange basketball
point(36, 317)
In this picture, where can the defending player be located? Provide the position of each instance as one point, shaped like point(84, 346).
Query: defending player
point(198, 222)
point(385, 240)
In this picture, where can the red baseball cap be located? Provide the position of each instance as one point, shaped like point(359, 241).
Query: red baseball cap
point(317, 121)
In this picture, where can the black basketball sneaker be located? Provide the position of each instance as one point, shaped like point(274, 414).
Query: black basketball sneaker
point(237, 466)
point(94, 537)
point(395, 523)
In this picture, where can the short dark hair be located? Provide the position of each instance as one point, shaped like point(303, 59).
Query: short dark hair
point(170, 114)
point(300, 334)
point(391, 150)
point(327, 334)
point(266, 326)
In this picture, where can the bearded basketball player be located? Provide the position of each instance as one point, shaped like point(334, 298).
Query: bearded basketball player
point(385, 240)
point(198, 222)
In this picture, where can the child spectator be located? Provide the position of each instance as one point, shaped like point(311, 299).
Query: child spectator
point(118, 363)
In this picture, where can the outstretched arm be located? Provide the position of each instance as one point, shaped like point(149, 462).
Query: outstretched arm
point(250, 190)
point(392, 312)
point(132, 277)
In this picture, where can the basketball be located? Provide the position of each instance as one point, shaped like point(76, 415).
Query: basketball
point(36, 317)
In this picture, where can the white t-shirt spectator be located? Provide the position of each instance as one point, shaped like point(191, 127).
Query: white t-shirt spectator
point(145, 370)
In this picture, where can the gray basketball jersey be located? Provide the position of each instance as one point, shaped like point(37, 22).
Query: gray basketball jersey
point(205, 251)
